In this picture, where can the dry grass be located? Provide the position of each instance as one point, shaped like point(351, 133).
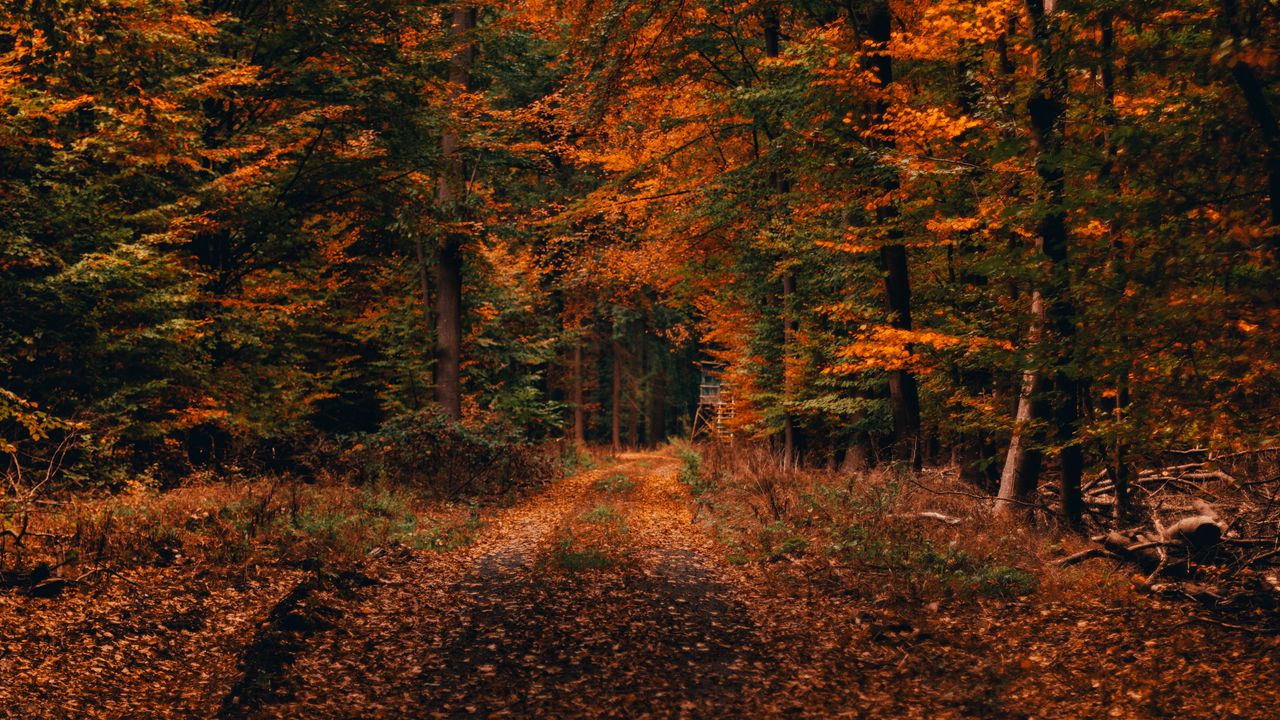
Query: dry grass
point(232, 522)
point(929, 534)
point(265, 520)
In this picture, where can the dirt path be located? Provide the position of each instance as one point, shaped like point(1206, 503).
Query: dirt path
point(502, 630)
point(601, 598)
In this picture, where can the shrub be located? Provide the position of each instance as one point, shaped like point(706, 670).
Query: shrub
point(574, 459)
point(427, 450)
point(230, 523)
point(691, 470)
point(973, 575)
point(778, 540)
point(765, 511)
point(447, 536)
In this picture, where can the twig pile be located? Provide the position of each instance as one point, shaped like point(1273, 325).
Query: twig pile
point(1211, 534)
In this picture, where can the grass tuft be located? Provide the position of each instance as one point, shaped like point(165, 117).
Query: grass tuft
point(615, 484)
point(602, 515)
point(573, 555)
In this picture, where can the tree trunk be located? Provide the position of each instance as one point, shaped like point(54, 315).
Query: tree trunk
point(1119, 468)
point(1261, 111)
point(616, 401)
point(579, 414)
point(788, 340)
point(1046, 112)
point(658, 405)
point(1022, 463)
point(449, 327)
point(1262, 114)
point(644, 391)
point(424, 286)
point(452, 191)
point(857, 457)
point(634, 400)
point(778, 182)
point(904, 396)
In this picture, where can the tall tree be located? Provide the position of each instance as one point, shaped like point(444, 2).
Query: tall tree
point(781, 186)
point(1053, 311)
point(904, 396)
point(452, 198)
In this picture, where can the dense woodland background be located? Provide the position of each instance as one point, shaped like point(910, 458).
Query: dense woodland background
point(1025, 237)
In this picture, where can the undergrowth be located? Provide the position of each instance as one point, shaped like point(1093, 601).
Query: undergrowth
point(603, 515)
point(230, 523)
point(617, 484)
point(415, 484)
point(575, 459)
point(573, 554)
point(875, 523)
point(700, 483)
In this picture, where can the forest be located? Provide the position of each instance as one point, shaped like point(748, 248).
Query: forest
point(639, 358)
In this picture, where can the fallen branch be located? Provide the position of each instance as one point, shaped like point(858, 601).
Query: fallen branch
point(975, 496)
point(1170, 469)
point(1114, 545)
point(1076, 558)
point(931, 515)
point(1212, 475)
point(1242, 453)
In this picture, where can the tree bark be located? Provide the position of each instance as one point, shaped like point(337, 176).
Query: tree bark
point(1046, 113)
point(904, 395)
point(634, 399)
point(1120, 469)
point(1022, 463)
point(579, 414)
point(1260, 109)
point(449, 258)
point(780, 186)
point(658, 405)
point(644, 390)
point(449, 327)
point(788, 340)
point(424, 285)
point(616, 400)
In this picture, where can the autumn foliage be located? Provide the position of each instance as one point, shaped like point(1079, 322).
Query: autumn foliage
point(887, 225)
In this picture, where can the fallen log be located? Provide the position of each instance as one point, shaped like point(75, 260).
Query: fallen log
point(1119, 546)
point(1196, 532)
point(1212, 475)
point(1190, 534)
point(1170, 469)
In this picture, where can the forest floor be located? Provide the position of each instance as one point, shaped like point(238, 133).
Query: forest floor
point(600, 596)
